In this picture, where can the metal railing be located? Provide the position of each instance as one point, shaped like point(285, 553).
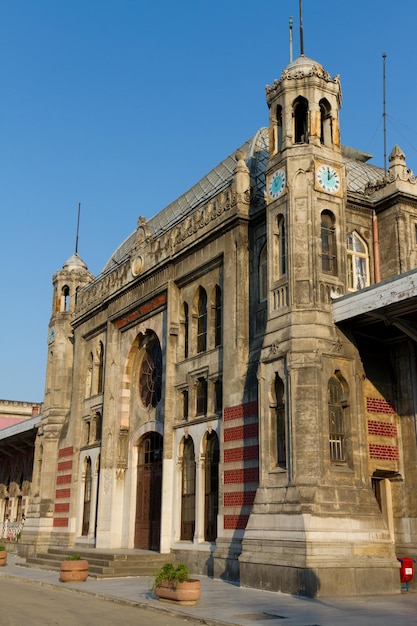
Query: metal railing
point(11, 530)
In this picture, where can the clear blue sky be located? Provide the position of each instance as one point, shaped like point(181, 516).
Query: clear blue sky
point(122, 105)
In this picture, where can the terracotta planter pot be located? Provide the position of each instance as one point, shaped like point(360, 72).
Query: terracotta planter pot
point(185, 593)
point(3, 557)
point(74, 571)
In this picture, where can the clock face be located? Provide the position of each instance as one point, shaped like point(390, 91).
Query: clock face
point(328, 178)
point(276, 184)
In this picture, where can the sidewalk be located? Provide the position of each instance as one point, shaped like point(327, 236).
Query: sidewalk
point(224, 603)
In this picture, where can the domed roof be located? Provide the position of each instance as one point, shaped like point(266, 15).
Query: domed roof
point(302, 66)
point(74, 263)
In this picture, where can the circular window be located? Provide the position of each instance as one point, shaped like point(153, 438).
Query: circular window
point(150, 376)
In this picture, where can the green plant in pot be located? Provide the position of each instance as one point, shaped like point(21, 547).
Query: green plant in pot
point(74, 569)
point(3, 555)
point(172, 583)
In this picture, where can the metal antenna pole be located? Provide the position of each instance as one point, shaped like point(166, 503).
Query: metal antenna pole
point(78, 228)
point(291, 39)
point(301, 29)
point(384, 114)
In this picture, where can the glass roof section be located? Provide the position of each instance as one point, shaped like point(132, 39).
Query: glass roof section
point(359, 174)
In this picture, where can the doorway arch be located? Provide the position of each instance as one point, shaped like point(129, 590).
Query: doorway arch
point(149, 493)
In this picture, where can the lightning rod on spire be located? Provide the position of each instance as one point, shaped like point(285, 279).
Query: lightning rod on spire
point(301, 29)
point(78, 228)
point(384, 113)
point(291, 39)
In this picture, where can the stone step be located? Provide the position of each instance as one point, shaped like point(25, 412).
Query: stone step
point(105, 564)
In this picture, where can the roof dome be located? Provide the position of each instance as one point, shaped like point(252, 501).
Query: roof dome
point(302, 66)
point(74, 263)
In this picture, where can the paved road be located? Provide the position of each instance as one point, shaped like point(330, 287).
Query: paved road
point(30, 604)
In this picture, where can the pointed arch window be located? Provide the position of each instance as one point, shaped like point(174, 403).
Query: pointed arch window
point(186, 327)
point(336, 398)
point(89, 377)
point(218, 317)
point(358, 262)
point(100, 351)
point(279, 129)
point(282, 247)
point(202, 320)
point(280, 423)
point(150, 375)
point(65, 298)
point(328, 243)
point(263, 274)
point(300, 112)
point(188, 490)
point(211, 486)
point(325, 123)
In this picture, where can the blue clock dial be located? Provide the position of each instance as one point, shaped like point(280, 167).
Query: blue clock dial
point(328, 178)
point(276, 184)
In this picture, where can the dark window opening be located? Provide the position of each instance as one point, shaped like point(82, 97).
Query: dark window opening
point(301, 120)
point(328, 244)
point(326, 130)
point(202, 321)
point(218, 317)
point(336, 420)
point(280, 423)
point(201, 397)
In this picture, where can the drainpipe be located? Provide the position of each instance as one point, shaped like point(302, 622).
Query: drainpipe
point(377, 266)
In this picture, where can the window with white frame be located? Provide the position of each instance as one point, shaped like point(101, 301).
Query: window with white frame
point(358, 262)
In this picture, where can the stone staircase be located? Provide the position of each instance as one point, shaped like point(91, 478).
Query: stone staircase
point(104, 563)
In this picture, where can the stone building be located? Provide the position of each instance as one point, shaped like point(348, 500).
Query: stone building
point(238, 385)
point(18, 426)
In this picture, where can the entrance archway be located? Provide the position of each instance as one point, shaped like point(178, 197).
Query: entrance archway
point(149, 492)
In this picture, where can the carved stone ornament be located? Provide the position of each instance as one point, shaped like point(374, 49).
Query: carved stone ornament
point(136, 265)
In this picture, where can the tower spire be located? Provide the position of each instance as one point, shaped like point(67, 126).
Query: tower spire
point(78, 228)
point(290, 38)
point(301, 28)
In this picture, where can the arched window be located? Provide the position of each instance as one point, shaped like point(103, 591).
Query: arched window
point(150, 375)
point(100, 362)
point(279, 129)
point(188, 490)
point(263, 274)
point(328, 243)
point(300, 110)
point(282, 247)
point(217, 317)
point(186, 327)
point(358, 262)
point(201, 396)
point(280, 423)
point(325, 123)
point(202, 321)
point(89, 376)
point(65, 299)
point(336, 399)
point(211, 486)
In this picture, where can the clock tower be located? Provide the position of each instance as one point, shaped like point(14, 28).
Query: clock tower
point(315, 520)
point(73, 277)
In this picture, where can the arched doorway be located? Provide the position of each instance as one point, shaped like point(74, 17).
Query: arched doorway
point(149, 491)
point(211, 486)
